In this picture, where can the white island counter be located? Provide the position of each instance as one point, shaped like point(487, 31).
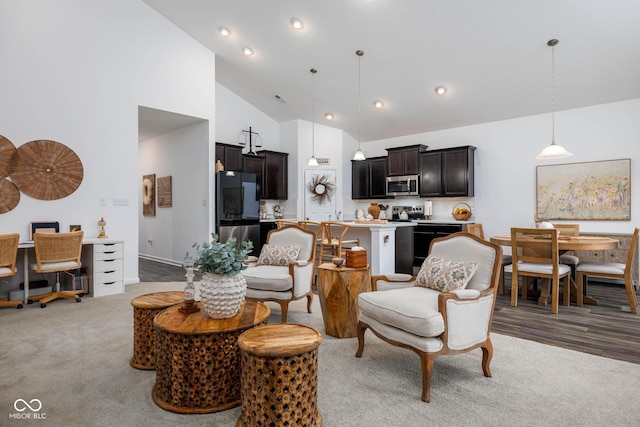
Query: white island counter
point(380, 242)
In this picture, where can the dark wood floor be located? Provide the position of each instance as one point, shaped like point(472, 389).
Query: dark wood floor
point(607, 330)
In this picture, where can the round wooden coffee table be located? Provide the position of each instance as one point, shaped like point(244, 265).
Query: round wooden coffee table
point(145, 308)
point(280, 376)
point(198, 359)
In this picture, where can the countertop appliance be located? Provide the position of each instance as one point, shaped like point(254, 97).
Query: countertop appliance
point(238, 207)
point(413, 213)
point(406, 185)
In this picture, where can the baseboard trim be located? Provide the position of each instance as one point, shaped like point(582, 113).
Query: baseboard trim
point(158, 259)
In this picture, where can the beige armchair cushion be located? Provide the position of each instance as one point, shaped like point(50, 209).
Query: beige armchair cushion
point(269, 278)
point(413, 309)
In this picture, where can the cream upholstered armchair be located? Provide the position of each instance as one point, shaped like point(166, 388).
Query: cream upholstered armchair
point(434, 322)
point(285, 269)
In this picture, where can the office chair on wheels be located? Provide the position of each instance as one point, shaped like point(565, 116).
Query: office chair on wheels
point(8, 253)
point(56, 252)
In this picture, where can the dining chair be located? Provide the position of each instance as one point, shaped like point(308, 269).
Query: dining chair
point(477, 230)
point(334, 244)
point(569, 230)
point(284, 222)
point(316, 227)
point(534, 252)
point(56, 252)
point(611, 270)
point(8, 255)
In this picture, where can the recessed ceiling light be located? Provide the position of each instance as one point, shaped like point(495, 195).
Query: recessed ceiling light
point(224, 31)
point(378, 104)
point(441, 90)
point(328, 116)
point(297, 23)
point(247, 51)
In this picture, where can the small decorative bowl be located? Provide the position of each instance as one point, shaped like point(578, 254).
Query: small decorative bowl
point(337, 261)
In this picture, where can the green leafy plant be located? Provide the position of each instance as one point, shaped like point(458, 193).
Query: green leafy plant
point(222, 258)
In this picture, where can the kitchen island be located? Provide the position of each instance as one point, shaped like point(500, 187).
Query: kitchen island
point(380, 242)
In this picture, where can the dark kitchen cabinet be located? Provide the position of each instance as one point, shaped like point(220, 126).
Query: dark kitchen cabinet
point(230, 156)
point(368, 178)
point(378, 177)
point(447, 173)
point(404, 160)
point(275, 175)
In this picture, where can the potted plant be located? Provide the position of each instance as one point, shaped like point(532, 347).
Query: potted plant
point(222, 287)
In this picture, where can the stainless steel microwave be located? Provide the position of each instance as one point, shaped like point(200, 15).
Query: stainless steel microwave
point(406, 185)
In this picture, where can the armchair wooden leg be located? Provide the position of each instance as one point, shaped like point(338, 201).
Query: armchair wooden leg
point(426, 362)
point(487, 355)
point(309, 301)
point(361, 330)
point(284, 307)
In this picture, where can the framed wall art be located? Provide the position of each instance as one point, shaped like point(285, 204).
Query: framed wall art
point(164, 192)
point(584, 191)
point(149, 195)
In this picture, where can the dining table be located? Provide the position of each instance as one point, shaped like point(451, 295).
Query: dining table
point(567, 243)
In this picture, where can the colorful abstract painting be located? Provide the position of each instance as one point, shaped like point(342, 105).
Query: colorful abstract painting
point(584, 191)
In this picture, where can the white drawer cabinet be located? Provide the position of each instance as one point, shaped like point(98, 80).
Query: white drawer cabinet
point(108, 269)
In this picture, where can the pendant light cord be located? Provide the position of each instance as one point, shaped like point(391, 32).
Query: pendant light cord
point(553, 90)
point(313, 111)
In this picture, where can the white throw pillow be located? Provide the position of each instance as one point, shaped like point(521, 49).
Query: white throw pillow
point(278, 255)
point(445, 276)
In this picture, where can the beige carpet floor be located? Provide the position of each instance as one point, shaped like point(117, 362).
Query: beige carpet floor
point(74, 358)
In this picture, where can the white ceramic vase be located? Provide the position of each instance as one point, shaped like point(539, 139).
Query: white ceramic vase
point(222, 295)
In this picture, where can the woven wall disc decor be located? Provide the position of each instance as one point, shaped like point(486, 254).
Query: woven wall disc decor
point(9, 196)
point(7, 149)
point(46, 170)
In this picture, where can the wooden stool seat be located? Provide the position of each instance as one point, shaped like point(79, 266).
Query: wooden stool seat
point(145, 308)
point(280, 375)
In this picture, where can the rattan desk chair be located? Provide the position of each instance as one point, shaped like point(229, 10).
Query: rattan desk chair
point(56, 252)
point(8, 254)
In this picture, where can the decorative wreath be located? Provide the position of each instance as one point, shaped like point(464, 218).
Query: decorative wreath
point(147, 191)
point(321, 188)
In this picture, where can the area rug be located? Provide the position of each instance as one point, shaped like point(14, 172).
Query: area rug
point(73, 358)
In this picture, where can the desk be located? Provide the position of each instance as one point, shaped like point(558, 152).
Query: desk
point(198, 359)
point(571, 243)
point(338, 290)
point(104, 264)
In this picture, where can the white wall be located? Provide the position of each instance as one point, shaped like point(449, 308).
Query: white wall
point(75, 72)
point(234, 114)
point(505, 174)
point(182, 155)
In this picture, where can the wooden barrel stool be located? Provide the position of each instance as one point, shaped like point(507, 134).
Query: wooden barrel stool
point(280, 376)
point(145, 308)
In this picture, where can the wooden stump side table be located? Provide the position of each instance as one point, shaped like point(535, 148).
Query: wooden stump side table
point(198, 359)
point(338, 290)
point(145, 308)
point(280, 376)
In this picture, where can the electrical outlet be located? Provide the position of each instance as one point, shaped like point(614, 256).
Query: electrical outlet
point(120, 201)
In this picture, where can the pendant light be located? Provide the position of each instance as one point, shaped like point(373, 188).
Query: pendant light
point(313, 161)
point(359, 155)
point(553, 151)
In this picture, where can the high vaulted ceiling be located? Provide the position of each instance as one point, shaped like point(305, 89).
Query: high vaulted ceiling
point(492, 56)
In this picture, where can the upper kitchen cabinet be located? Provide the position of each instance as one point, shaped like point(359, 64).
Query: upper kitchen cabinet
point(404, 160)
point(368, 178)
point(230, 156)
point(275, 176)
point(447, 173)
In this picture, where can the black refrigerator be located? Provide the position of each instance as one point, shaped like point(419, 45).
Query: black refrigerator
point(238, 207)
